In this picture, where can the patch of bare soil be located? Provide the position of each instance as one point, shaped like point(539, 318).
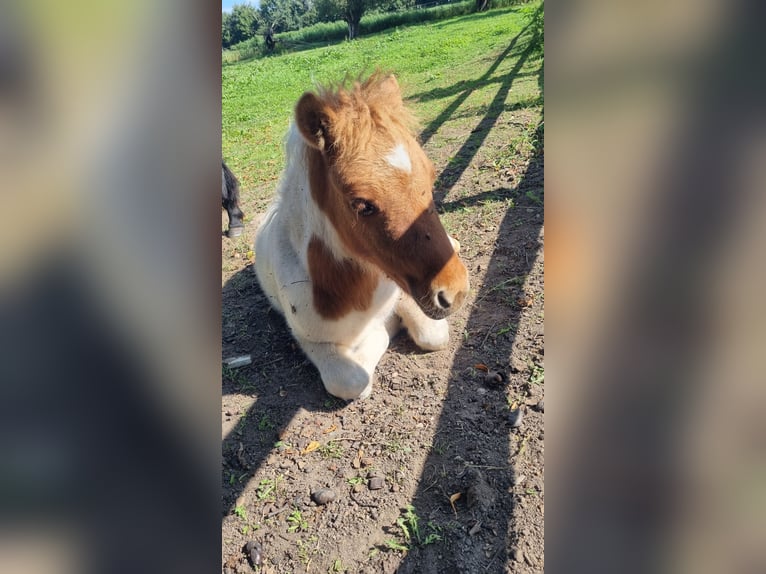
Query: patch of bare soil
point(441, 469)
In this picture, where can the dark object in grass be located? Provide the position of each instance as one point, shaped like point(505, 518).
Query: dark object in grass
point(268, 38)
point(230, 201)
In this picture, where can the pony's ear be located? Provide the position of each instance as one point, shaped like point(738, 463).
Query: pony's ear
point(313, 118)
point(390, 87)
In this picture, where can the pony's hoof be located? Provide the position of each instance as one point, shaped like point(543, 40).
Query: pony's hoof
point(234, 232)
point(434, 336)
point(365, 393)
point(351, 389)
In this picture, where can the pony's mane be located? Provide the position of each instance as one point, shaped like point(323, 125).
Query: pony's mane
point(365, 107)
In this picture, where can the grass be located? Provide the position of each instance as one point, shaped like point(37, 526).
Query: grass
point(394, 545)
point(265, 423)
point(267, 489)
point(537, 374)
point(297, 522)
point(509, 328)
point(242, 421)
point(396, 445)
point(247, 527)
point(305, 552)
point(233, 478)
point(435, 63)
point(332, 449)
point(440, 447)
point(409, 525)
point(238, 378)
point(534, 197)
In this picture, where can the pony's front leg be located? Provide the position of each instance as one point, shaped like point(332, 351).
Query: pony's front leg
point(428, 334)
point(348, 373)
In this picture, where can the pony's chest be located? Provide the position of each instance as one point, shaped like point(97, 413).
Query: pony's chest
point(353, 325)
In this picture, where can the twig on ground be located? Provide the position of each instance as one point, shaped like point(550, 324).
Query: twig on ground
point(489, 332)
point(280, 511)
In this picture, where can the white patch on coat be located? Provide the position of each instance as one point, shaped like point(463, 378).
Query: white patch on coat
point(399, 158)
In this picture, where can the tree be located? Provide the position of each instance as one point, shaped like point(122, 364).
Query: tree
point(394, 5)
point(329, 10)
point(353, 16)
point(285, 15)
point(226, 30)
point(242, 24)
point(350, 11)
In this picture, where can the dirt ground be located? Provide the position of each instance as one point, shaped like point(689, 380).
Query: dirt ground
point(441, 469)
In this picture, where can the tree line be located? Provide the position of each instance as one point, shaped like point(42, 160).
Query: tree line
point(275, 16)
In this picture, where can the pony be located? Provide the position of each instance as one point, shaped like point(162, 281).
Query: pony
point(230, 201)
point(352, 248)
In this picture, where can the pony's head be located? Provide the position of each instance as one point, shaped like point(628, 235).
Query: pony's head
point(373, 182)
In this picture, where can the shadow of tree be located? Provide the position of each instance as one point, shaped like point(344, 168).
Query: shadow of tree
point(465, 154)
point(466, 88)
point(464, 414)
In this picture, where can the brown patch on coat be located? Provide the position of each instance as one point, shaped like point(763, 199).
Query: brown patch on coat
point(338, 287)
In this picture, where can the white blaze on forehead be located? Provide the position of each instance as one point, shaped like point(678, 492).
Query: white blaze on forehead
point(399, 158)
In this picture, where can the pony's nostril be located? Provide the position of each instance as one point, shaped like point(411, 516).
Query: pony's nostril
point(443, 301)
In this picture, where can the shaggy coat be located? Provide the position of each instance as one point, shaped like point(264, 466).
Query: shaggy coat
point(352, 247)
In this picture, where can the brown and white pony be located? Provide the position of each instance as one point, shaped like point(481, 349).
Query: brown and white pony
point(352, 242)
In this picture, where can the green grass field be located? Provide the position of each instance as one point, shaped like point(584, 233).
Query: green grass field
point(434, 63)
point(322, 33)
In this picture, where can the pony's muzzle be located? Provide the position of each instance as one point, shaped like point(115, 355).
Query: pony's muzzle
point(448, 289)
point(445, 299)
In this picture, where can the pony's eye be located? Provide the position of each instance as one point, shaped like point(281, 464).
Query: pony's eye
point(364, 207)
